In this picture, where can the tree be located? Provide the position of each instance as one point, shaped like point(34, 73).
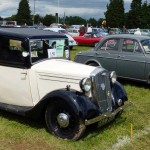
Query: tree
point(115, 13)
point(38, 19)
point(93, 22)
point(49, 19)
point(24, 14)
point(144, 17)
point(148, 21)
point(75, 20)
point(134, 15)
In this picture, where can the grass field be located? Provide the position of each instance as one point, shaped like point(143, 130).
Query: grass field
point(129, 132)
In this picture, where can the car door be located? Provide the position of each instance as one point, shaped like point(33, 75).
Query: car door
point(14, 77)
point(131, 61)
point(86, 39)
point(107, 54)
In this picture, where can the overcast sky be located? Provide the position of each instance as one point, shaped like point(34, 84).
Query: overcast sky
point(83, 8)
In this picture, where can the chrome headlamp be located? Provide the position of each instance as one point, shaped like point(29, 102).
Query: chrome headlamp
point(85, 84)
point(113, 77)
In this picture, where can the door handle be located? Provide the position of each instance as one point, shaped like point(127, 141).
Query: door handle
point(23, 75)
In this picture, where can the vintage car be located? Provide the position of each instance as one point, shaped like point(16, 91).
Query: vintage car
point(128, 55)
point(72, 42)
point(115, 31)
point(100, 30)
point(89, 38)
point(37, 80)
point(73, 32)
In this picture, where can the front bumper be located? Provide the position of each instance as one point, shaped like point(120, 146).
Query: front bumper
point(106, 115)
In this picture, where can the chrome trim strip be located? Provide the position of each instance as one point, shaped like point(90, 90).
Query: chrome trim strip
point(106, 115)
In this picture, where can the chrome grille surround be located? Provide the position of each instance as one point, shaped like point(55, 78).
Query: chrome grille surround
point(101, 89)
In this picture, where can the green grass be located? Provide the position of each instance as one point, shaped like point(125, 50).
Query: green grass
point(18, 133)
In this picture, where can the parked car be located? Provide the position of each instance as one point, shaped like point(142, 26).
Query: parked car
point(143, 31)
point(72, 42)
point(38, 81)
point(100, 30)
point(128, 55)
point(115, 31)
point(88, 38)
point(131, 31)
point(73, 31)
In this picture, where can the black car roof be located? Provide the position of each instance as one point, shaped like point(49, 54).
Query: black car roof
point(29, 33)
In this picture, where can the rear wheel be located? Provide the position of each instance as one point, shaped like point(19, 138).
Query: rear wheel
point(71, 47)
point(95, 44)
point(63, 122)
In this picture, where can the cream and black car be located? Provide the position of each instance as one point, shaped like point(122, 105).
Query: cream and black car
point(37, 79)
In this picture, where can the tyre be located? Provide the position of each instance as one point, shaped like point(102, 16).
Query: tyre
point(63, 122)
point(95, 44)
point(71, 47)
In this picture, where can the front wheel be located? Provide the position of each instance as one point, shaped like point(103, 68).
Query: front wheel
point(62, 121)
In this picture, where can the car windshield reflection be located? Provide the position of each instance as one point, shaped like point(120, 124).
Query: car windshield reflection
point(48, 48)
point(146, 46)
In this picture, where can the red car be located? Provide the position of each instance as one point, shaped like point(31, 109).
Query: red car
point(89, 39)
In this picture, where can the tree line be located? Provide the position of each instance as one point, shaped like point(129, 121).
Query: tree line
point(115, 16)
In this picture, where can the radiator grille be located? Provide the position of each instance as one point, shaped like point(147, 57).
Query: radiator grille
point(102, 91)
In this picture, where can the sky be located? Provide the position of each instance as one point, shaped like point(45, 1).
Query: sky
point(83, 8)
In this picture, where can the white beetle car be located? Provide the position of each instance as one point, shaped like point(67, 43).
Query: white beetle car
point(35, 81)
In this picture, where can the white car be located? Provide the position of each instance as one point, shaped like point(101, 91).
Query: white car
point(73, 32)
point(36, 81)
point(72, 42)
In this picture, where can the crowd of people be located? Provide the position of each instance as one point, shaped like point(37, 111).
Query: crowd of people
point(88, 28)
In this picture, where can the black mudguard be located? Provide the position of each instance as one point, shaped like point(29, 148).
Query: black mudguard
point(119, 91)
point(82, 105)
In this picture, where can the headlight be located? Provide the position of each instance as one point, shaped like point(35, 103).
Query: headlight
point(85, 84)
point(113, 77)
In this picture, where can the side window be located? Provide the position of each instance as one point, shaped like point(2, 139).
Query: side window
point(110, 45)
point(131, 46)
point(48, 48)
point(11, 51)
point(4, 49)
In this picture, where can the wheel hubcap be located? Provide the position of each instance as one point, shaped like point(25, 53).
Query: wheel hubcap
point(63, 120)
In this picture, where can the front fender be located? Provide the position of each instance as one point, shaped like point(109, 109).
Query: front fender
point(82, 105)
point(119, 91)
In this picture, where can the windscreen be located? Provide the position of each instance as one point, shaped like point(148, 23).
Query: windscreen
point(48, 48)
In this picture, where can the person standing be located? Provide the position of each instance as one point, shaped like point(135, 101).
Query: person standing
point(137, 32)
point(82, 30)
point(89, 29)
point(124, 30)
